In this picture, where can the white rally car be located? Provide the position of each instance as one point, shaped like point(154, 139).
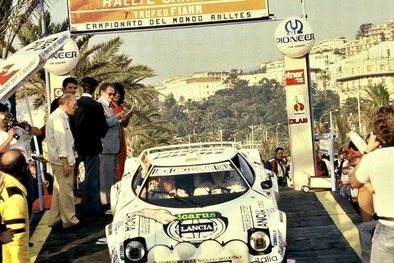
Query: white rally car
point(208, 202)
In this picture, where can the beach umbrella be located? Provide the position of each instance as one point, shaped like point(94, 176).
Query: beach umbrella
point(17, 69)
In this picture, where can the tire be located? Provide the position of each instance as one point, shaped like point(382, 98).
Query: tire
point(305, 188)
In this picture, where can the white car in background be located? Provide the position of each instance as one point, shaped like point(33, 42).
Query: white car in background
point(239, 222)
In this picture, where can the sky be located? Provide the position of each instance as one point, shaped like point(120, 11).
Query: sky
point(180, 52)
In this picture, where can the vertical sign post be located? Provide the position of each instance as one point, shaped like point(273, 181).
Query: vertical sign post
point(294, 38)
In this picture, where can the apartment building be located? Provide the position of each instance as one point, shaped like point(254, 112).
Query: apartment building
point(373, 66)
point(197, 87)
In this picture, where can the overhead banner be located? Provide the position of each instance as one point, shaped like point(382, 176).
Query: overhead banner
point(115, 15)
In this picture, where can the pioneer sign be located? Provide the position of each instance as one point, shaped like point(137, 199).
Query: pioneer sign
point(116, 15)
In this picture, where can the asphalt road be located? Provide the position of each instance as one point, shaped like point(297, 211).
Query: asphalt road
point(69, 245)
point(321, 228)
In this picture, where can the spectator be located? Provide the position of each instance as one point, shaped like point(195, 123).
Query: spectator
point(339, 163)
point(219, 183)
point(278, 166)
point(6, 133)
point(118, 107)
point(13, 208)
point(91, 126)
point(69, 86)
point(325, 163)
point(6, 234)
point(165, 188)
point(48, 179)
point(62, 159)
point(377, 166)
point(111, 144)
point(353, 157)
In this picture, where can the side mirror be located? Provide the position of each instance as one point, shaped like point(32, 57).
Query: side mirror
point(267, 184)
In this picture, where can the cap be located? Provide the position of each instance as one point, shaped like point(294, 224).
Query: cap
point(89, 81)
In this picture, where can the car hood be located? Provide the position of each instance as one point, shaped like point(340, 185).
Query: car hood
point(223, 223)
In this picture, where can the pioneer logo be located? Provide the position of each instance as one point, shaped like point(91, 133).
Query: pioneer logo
point(294, 37)
point(294, 27)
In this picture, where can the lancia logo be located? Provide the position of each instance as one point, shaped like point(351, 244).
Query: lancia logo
point(196, 230)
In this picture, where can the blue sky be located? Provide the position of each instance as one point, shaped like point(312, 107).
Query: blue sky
point(183, 51)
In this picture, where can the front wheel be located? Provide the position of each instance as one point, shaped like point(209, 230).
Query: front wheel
point(305, 188)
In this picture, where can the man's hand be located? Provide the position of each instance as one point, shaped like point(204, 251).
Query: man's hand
point(373, 144)
point(10, 136)
point(6, 236)
point(67, 168)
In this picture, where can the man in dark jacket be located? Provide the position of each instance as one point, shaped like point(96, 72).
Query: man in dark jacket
point(278, 166)
point(91, 126)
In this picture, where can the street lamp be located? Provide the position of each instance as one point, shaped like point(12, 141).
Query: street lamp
point(330, 113)
point(252, 137)
point(276, 132)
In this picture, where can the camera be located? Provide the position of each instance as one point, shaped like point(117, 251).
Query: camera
point(10, 121)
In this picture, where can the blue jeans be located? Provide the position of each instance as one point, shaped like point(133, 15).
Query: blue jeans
point(383, 244)
point(366, 230)
point(91, 192)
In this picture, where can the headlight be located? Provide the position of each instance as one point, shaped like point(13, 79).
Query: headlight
point(135, 250)
point(259, 241)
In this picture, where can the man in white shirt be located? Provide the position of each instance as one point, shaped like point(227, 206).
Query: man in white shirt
point(61, 156)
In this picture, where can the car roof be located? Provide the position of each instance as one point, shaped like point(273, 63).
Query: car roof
point(192, 153)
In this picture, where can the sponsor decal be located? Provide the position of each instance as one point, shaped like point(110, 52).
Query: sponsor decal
point(295, 77)
point(274, 237)
point(266, 259)
point(298, 121)
point(294, 37)
point(299, 105)
point(261, 219)
point(247, 220)
point(225, 166)
point(130, 222)
point(197, 226)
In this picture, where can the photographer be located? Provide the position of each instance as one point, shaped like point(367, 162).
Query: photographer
point(12, 136)
point(6, 136)
point(12, 132)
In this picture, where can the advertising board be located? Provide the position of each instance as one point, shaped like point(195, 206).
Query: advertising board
point(116, 15)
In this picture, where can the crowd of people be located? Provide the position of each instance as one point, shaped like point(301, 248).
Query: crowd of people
point(86, 130)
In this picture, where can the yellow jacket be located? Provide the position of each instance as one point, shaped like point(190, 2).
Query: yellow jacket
point(14, 213)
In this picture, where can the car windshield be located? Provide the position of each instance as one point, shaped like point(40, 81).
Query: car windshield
point(193, 185)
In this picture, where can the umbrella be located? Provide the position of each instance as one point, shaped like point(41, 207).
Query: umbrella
point(16, 70)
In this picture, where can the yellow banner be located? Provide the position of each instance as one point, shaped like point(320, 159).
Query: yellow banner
point(103, 15)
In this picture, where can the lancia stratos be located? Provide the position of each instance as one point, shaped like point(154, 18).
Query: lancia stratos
point(196, 203)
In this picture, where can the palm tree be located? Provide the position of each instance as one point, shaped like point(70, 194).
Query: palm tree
point(378, 95)
point(13, 15)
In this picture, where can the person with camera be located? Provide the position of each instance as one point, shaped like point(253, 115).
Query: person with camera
point(12, 136)
point(6, 135)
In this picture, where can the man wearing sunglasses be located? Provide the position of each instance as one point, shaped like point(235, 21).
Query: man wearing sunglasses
point(111, 144)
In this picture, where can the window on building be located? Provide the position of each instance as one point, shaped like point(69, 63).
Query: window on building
point(370, 82)
point(382, 67)
point(369, 68)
